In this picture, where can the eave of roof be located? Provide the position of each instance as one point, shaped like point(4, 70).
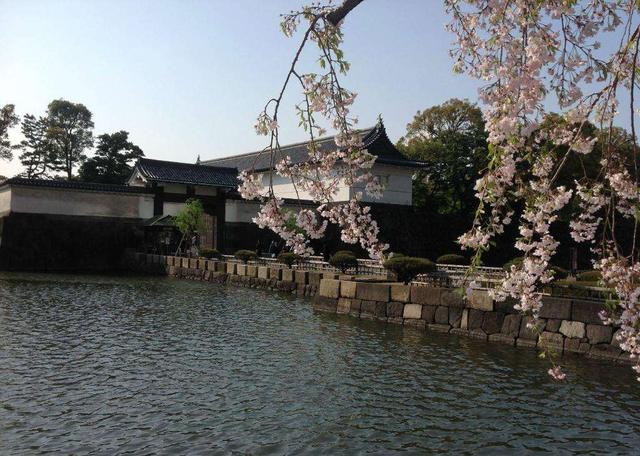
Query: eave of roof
point(74, 185)
point(186, 173)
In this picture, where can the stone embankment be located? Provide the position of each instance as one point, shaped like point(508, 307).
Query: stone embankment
point(566, 325)
point(275, 277)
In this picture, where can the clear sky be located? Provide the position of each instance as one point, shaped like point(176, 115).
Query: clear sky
point(188, 77)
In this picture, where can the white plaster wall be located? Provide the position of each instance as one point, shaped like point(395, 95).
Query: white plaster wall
point(5, 201)
point(241, 211)
point(171, 208)
point(57, 201)
point(283, 188)
point(398, 185)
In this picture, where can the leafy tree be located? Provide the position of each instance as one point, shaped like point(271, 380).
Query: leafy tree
point(70, 130)
point(452, 140)
point(408, 268)
point(190, 219)
point(8, 119)
point(111, 163)
point(37, 154)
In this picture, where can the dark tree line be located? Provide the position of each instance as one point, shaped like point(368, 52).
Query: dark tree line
point(55, 145)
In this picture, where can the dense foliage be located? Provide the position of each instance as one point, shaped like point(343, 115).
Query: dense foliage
point(8, 119)
point(408, 268)
point(112, 161)
point(452, 258)
point(209, 253)
point(245, 255)
point(344, 260)
point(289, 258)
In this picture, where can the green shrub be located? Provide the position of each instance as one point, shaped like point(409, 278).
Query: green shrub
point(589, 276)
point(344, 260)
point(210, 253)
point(407, 268)
point(515, 262)
point(245, 255)
point(452, 258)
point(289, 258)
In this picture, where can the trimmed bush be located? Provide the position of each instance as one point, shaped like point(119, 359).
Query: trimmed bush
point(344, 260)
point(289, 258)
point(589, 276)
point(245, 255)
point(452, 258)
point(210, 253)
point(408, 268)
point(515, 262)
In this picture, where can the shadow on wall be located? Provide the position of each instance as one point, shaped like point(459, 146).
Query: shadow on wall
point(49, 243)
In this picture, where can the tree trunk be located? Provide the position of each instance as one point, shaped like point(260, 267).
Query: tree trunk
point(341, 12)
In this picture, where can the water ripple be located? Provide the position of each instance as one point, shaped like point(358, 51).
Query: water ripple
point(92, 365)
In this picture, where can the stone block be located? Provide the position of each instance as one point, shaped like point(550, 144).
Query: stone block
point(429, 313)
point(241, 269)
point(492, 322)
point(288, 275)
point(502, 338)
point(425, 295)
point(168, 260)
point(395, 320)
point(415, 323)
point(459, 332)
point(511, 325)
point(526, 343)
point(452, 298)
point(575, 346)
point(604, 351)
point(348, 289)
point(221, 266)
point(395, 309)
point(442, 315)
point(572, 329)
point(184, 262)
point(475, 319)
point(330, 275)
point(553, 325)
point(314, 278)
point(302, 277)
point(330, 288)
point(552, 340)
point(412, 311)
point(373, 308)
point(464, 321)
point(480, 300)
point(558, 308)
point(276, 273)
point(455, 316)
point(587, 311)
point(231, 268)
point(252, 270)
point(438, 327)
point(526, 333)
point(477, 334)
point(506, 306)
point(193, 263)
point(614, 339)
point(263, 272)
point(325, 304)
point(373, 291)
point(599, 334)
point(400, 292)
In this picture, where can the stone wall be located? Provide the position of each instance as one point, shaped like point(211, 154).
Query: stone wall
point(566, 325)
point(303, 283)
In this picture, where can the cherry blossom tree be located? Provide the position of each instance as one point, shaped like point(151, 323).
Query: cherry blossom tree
point(532, 55)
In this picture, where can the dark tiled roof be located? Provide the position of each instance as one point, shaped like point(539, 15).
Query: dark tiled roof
point(374, 139)
point(77, 185)
point(186, 173)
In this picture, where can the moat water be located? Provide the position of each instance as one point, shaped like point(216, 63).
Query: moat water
point(102, 365)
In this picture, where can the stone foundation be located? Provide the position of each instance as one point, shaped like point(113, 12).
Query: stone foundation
point(276, 278)
point(566, 325)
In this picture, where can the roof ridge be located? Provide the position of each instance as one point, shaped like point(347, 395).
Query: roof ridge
point(361, 131)
point(187, 165)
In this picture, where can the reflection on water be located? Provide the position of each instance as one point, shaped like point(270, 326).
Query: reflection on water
point(145, 365)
